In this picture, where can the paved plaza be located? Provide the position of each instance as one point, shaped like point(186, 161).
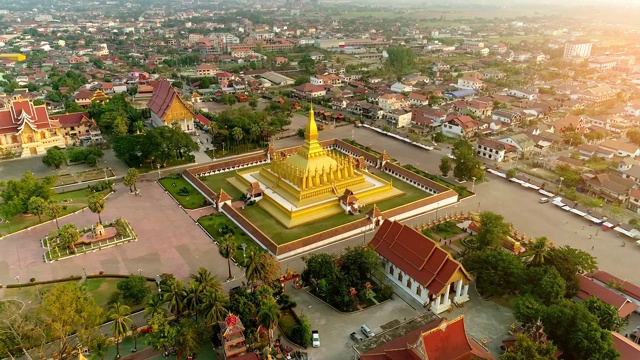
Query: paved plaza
point(169, 241)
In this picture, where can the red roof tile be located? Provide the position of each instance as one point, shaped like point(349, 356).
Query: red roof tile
point(628, 349)
point(416, 255)
point(629, 289)
point(72, 119)
point(590, 288)
point(163, 96)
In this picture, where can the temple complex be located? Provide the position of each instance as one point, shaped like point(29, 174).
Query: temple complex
point(312, 183)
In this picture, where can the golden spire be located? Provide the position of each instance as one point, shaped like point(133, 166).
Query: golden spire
point(311, 131)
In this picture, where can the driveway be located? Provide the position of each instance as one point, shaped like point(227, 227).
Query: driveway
point(169, 241)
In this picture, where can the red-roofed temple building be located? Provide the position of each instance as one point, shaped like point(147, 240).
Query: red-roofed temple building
point(27, 129)
point(421, 267)
point(167, 107)
point(232, 336)
point(439, 340)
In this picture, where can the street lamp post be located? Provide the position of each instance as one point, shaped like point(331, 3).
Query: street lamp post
point(140, 272)
point(244, 247)
point(214, 152)
point(560, 186)
point(473, 185)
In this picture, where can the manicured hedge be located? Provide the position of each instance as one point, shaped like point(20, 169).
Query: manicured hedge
point(70, 278)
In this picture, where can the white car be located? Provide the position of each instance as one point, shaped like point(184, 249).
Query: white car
point(315, 338)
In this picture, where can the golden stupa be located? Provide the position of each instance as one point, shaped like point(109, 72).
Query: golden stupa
point(312, 183)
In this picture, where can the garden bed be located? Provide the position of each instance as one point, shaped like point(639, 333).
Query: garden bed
point(212, 224)
point(184, 193)
point(124, 234)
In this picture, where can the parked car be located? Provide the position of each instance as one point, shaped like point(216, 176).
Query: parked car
point(366, 331)
point(543, 200)
point(356, 337)
point(315, 338)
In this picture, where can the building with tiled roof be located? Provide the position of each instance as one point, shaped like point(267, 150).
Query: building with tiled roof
point(574, 122)
point(27, 129)
point(629, 290)
point(86, 97)
point(421, 267)
point(167, 107)
point(460, 126)
point(439, 340)
point(628, 349)
point(589, 288)
point(78, 126)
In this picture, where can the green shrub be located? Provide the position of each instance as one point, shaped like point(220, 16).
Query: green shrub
point(114, 297)
point(386, 291)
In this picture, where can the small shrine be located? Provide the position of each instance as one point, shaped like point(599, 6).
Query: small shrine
point(254, 192)
point(98, 231)
point(349, 202)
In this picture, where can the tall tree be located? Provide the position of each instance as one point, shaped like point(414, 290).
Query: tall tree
point(214, 304)
point(193, 298)
point(97, 204)
point(155, 305)
point(190, 335)
point(536, 253)
point(100, 348)
point(260, 267)
point(134, 289)
point(238, 135)
point(569, 261)
point(37, 206)
point(54, 211)
point(131, 178)
point(467, 166)
point(268, 316)
point(17, 193)
point(492, 228)
point(119, 314)
point(206, 279)
point(401, 59)
point(497, 272)
point(68, 236)
point(174, 295)
point(227, 248)
point(606, 314)
point(445, 166)
point(54, 158)
point(67, 309)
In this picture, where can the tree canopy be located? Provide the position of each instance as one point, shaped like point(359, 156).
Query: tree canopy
point(467, 166)
point(157, 146)
point(401, 59)
point(492, 228)
point(54, 158)
point(17, 193)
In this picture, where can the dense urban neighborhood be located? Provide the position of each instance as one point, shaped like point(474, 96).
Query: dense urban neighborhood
point(314, 179)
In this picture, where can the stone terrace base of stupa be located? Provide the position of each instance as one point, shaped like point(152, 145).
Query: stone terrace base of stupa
point(291, 213)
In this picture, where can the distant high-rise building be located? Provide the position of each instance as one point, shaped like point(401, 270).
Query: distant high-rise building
point(577, 49)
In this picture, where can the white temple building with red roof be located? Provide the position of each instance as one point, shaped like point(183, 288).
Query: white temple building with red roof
point(27, 129)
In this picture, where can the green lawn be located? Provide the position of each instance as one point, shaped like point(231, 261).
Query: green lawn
point(99, 288)
point(206, 352)
point(287, 323)
point(70, 201)
point(280, 235)
point(212, 224)
point(191, 200)
point(146, 167)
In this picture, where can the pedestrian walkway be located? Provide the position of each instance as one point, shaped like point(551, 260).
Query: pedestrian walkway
point(195, 214)
point(143, 354)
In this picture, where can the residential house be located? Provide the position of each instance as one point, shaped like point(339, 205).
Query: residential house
point(573, 122)
point(338, 103)
point(612, 123)
point(421, 267)
point(633, 108)
point(389, 102)
point(521, 142)
point(610, 187)
point(399, 87)
point(493, 150)
point(206, 70)
point(506, 116)
point(167, 107)
point(633, 174)
point(309, 91)
point(493, 74)
point(587, 151)
point(522, 56)
point(27, 129)
point(330, 79)
point(399, 118)
point(422, 115)
point(417, 99)
point(597, 95)
point(472, 107)
point(634, 201)
point(460, 126)
point(523, 94)
point(470, 81)
point(441, 339)
point(621, 148)
point(78, 126)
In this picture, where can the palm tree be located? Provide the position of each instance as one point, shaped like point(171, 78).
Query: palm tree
point(154, 306)
point(237, 135)
point(227, 249)
point(193, 298)
point(255, 267)
point(54, 210)
point(174, 294)
point(268, 316)
point(208, 281)
point(120, 315)
point(68, 236)
point(537, 252)
point(96, 204)
point(213, 306)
